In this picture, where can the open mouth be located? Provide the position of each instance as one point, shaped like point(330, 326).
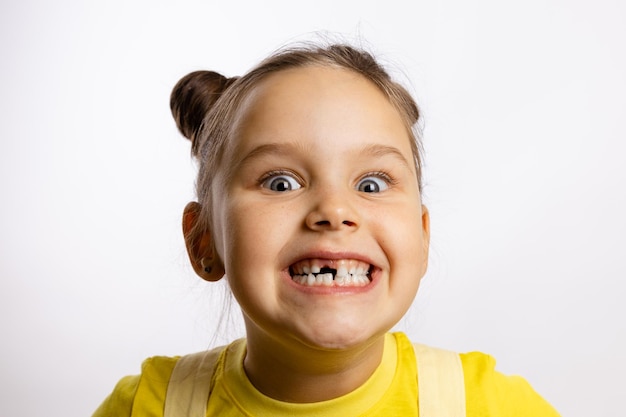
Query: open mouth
point(331, 273)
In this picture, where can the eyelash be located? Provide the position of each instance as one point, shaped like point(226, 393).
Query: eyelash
point(380, 174)
point(384, 175)
point(278, 173)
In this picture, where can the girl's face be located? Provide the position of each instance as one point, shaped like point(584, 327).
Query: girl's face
point(320, 178)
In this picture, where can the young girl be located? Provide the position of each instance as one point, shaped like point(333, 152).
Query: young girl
point(309, 205)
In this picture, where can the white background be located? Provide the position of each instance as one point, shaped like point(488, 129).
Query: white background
point(524, 106)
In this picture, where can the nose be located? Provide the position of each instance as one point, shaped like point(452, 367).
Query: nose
point(332, 211)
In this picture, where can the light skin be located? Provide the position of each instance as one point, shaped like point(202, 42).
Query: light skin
point(320, 172)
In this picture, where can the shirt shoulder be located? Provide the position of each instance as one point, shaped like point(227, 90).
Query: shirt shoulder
point(489, 392)
point(140, 395)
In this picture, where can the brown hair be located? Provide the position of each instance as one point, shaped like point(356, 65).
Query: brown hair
point(205, 105)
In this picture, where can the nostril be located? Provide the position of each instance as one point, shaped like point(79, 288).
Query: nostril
point(323, 223)
point(327, 223)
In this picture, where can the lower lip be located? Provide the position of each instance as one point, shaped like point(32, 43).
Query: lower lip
point(332, 290)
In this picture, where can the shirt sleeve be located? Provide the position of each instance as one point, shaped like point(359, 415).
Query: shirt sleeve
point(140, 395)
point(120, 402)
point(491, 393)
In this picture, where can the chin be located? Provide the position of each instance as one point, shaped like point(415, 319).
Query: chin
point(340, 338)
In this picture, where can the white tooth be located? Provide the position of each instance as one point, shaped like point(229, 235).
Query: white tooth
point(360, 271)
point(328, 279)
point(315, 269)
point(306, 270)
point(319, 279)
point(342, 271)
point(310, 279)
point(302, 279)
point(340, 280)
point(349, 279)
point(363, 279)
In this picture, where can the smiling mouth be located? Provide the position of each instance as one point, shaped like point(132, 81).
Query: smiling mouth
point(331, 273)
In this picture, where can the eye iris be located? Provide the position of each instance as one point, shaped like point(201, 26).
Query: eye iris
point(369, 186)
point(280, 184)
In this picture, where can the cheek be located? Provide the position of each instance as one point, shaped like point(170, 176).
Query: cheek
point(253, 233)
point(403, 234)
point(407, 256)
point(254, 236)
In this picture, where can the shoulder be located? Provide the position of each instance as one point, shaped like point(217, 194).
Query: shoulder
point(146, 390)
point(489, 392)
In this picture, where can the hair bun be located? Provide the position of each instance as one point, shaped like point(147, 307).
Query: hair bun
point(192, 97)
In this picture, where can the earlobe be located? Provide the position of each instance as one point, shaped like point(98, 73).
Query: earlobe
point(426, 230)
point(199, 243)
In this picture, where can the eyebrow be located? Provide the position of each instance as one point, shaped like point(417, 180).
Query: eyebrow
point(379, 151)
point(278, 149)
point(286, 149)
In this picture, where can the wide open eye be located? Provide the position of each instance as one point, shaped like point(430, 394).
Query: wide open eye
point(372, 184)
point(280, 183)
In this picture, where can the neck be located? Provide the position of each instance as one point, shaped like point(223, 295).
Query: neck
point(294, 372)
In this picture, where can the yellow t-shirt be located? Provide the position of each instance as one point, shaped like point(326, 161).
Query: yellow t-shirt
point(391, 391)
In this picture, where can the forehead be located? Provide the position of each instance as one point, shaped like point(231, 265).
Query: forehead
point(311, 86)
point(316, 97)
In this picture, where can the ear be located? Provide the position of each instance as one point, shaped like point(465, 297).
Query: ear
point(199, 244)
point(425, 232)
